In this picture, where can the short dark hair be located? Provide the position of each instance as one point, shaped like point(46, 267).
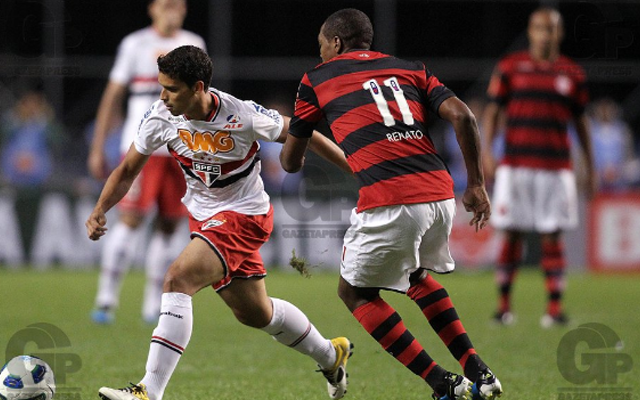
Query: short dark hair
point(352, 26)
point(188, 64)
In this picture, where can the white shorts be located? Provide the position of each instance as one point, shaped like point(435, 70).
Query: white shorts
point(384, 245)
point(529, 199)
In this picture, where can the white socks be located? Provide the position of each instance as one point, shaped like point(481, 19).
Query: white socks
point(169, 340)
point(288, 326)
point(117, 256)
point(292, 328)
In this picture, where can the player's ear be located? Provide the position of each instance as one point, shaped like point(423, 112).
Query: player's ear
point(199, 87)
point(338, 45)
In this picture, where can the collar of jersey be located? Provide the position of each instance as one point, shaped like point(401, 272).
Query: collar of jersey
point(216, 108)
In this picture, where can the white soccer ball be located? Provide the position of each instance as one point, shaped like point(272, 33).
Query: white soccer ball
point(27, 378)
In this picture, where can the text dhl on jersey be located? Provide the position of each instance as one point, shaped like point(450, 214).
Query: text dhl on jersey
point(219, 141)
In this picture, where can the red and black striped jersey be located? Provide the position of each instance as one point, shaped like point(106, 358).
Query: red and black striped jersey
point(540, 99)
point(377, 106)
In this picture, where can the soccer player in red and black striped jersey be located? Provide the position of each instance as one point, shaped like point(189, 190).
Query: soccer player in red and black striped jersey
point(541, 92)
point(377, 106)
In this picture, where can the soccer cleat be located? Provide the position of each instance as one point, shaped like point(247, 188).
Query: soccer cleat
point(102, 316)
point(337, 376)
point(132, 392)
point(487, 387)
point(457, 388)
point(548, 320)
point(505, 318)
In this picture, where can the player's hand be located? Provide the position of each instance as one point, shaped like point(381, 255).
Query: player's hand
point(476, 200)
point(96, 225)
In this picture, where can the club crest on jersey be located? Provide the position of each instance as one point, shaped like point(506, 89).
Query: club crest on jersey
point(207, 173)
point(563, 85)
point(212, 223)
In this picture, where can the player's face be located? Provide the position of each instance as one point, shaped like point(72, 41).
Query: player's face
point(176, 95)
point(168, 15)
point(328, 49)
point(545, 32)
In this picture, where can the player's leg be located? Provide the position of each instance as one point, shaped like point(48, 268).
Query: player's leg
point(553, 266)
point(381, 251)
point(437, 307)
point(159, 256)
point(117, 256)
point(196, 267)
point(386, 326)
point(166, 185)
point(557, 203)
point(506, 270)
point(513, 203)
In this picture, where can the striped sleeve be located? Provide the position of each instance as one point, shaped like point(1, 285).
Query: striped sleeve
point(436, 92)
point(307, 111)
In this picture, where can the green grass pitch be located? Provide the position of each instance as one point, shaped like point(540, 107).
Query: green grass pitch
point(228, 361)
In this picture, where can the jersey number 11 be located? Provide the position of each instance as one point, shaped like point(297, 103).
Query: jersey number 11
point(376, 92)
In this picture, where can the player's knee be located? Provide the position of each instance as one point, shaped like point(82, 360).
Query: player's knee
point(253, 318)
point(354, 297)
point(175, 281)
point(132, 220)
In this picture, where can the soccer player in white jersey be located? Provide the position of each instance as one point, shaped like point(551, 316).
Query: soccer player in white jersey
point(160, 184)
point(213, 136)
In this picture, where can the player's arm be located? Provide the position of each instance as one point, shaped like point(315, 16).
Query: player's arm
point(109, 111)
point(116, 187)
point(294, 149)
point(582, 131)
point(490, 121)
point(475, 198)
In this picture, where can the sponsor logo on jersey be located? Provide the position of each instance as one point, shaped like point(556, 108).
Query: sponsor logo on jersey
point(233, 126)
point(212, 223)
point(273, 114)
point(218, 141)
point(208, 173)
point(233, 119)
point(233, 122)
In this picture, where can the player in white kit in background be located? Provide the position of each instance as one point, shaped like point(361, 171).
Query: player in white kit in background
point(160, 184)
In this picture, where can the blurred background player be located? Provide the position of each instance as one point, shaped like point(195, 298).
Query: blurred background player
point(377, 106)
point(161, 183)
point(542, 92)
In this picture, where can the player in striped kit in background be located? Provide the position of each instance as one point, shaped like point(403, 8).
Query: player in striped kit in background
point(376, 106)
point(542, 92)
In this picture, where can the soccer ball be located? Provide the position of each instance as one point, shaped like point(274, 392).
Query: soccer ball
point(27, 378)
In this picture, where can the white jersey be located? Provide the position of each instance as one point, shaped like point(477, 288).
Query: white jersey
point(136, 68)
point(218, 156)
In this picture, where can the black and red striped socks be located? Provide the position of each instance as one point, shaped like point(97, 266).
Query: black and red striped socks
point(553, 265)
point(436, 305)
point(507, 268)
point(385, 325)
